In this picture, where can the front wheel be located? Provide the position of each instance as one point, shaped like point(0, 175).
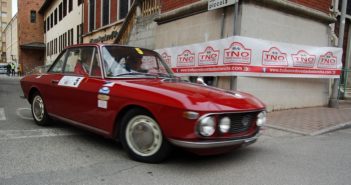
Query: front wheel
point(142, 137)
point(38, 110)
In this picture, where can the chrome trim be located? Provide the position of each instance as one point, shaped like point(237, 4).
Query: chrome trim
point(213, 144)
point(75, 123)
point(218, 113)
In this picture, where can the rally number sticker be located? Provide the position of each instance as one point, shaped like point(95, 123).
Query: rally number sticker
point(70, 81)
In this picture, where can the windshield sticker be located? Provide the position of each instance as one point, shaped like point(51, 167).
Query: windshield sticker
point(139, 51)
point(109, 84)
point(102, 104)
point(104, 90)
point(70, 81)
point(103, 97)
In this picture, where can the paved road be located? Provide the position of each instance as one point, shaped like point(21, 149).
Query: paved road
point(61, 154)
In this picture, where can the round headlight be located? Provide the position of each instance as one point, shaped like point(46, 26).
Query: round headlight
point(261, 119)
point(224, 124)
point(207, 126)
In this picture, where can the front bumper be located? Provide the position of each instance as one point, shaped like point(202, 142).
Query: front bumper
point(214, 144)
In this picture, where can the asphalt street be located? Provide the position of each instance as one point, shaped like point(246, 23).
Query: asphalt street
point(62, 154)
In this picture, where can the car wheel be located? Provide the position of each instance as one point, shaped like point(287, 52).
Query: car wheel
point(38, 110)
point(142, 137)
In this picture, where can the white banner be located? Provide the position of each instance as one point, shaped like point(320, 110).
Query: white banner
point(243, 56)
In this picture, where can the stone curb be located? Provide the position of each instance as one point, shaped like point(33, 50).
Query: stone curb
point(286, 129)
point(330, 129)
point(319, 132)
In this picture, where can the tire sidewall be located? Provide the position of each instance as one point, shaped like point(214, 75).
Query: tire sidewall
point(158, 156)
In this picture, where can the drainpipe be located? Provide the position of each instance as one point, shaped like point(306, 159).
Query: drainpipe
point(233, 79)
point(333, 101)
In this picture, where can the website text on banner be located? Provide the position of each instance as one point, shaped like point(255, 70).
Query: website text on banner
point(243, 56)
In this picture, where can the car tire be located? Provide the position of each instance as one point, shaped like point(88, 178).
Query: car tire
point(39, 112)
point(142, 137)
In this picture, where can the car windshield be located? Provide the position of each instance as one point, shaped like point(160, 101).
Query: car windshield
point(133, 62)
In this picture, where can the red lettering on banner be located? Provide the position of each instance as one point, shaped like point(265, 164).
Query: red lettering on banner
point(274, 57)
point(166, 58)
point(187, 58)
point(328, 60)
point(208, 57)
point(237, 54)
point(303, 59)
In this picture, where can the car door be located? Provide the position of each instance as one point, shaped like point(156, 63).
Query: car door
point(78, 92)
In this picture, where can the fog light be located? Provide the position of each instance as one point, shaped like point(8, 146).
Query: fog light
point(261, 119)
point(207, 126)
point(224, 124)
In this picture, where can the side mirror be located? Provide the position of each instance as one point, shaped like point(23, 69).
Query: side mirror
point(201, 81)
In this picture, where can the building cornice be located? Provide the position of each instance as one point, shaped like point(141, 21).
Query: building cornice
point(282, 5)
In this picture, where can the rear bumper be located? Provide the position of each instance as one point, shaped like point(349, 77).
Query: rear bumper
point(214, 144)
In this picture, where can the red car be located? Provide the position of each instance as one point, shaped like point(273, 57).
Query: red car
point(131, 95)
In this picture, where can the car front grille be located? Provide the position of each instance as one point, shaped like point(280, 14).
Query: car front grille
point(240, 122)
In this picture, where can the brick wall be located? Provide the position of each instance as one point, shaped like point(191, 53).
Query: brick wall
point(168, 5)
point(29, 33)
point(321, 5)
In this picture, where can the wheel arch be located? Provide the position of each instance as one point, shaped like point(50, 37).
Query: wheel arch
point(32, 91)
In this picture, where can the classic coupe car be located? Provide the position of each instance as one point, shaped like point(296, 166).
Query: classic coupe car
point(129, 94)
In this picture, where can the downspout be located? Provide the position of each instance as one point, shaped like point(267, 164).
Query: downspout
point(333, 101)
point(236, 30)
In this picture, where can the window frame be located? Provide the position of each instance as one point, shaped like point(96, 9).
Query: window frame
point(119, 10)
point(108, 14)
point(90, 27)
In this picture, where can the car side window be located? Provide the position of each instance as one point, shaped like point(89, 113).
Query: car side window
point(79, 60)
point(58, 64)
point(73, 55)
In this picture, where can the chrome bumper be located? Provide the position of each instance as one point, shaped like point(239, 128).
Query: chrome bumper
point(214, 144)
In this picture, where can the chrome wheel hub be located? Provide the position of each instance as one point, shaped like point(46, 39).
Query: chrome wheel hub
point(38, 108)
point(143, 135)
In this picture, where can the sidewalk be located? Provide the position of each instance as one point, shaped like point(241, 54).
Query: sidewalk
point(311, 121)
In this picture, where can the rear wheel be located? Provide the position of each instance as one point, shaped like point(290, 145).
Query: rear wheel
point(142, 137)
point(38, 110)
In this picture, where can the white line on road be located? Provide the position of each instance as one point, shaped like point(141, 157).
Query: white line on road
point(20, 114)
point(37, 133)
point(2, 114)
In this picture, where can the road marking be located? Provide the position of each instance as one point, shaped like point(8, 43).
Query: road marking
point(20, 111)
point(2, 114)
point(37, 133)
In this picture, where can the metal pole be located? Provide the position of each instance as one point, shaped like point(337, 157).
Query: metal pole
point(235, 32)
point(333, 101)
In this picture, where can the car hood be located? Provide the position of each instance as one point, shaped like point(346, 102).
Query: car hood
point(187, 95)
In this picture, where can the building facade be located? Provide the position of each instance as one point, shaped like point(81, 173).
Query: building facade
point(103, 19)
point(30, 35)
point(6, 15)
point(11, 45)
point(186, 22)
point(63, 24)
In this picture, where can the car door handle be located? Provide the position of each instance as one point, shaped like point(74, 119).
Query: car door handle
point(54, 81)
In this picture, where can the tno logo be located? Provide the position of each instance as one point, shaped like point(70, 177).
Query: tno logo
point(274, 57)
point(237, 54)
point(208, 57)
point(187, 58)
point(328, 60)
point(303, 59)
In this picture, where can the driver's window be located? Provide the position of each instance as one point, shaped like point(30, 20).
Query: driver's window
point(58, 66)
